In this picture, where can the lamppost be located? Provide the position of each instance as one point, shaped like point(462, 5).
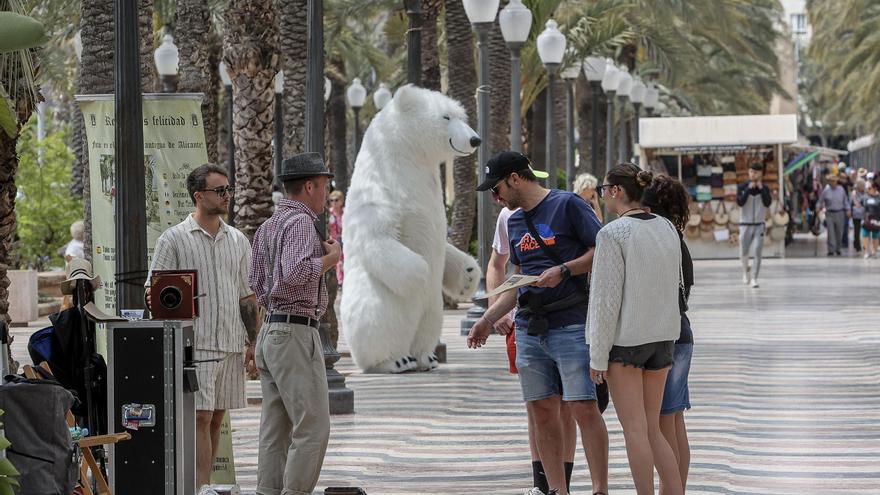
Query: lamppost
point(167, 59)
point(356, 95)
point(516, 23)
point(570, 75)
point(382, 96)
point(481, 14)
point(652, 98)
point(279, 125)
point(637, 96)
point(609, 86)
point(230, 141)
point(551, 48)
point(624, 88)
point(594, 70)
point(414, 42)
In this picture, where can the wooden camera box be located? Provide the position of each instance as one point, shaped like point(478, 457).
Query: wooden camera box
point(174, 295)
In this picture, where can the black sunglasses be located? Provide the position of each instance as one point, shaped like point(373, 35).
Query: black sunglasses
point(221, 191)
point(601, 188)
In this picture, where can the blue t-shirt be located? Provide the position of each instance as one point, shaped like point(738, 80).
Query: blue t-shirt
point(564, 221)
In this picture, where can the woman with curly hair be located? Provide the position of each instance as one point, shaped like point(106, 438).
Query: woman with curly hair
point(633, 321)
point(668, 198)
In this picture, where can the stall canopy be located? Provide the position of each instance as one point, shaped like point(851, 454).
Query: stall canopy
point(862, 142)
point(732, 130)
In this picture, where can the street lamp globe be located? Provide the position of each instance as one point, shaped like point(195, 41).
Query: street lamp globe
point(356, 94)
point(382, 96)
point(516, 22)
point(624, 82)
point(611, 77)
point(594, 68)
point(224, 74)
point(652, 97)
point(639, 90)
point(167, 57)
point(551, 44)
point(279, 82)
point(78, 45)
point(481, 11)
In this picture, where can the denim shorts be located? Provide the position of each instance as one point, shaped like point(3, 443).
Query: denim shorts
point(557, 363)
point(676, 396)
point(867, 234)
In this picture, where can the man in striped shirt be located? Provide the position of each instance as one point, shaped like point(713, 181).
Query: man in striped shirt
point(227, 321)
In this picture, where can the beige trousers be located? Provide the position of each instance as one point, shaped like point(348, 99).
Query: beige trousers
point(295, 421)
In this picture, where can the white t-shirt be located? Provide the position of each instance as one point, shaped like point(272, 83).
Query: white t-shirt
point(501, 242)
point(75, 249)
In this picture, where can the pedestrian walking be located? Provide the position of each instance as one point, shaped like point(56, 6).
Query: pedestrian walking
point(871, 222)
point(634, 320)
point(552, 237)
point(753, 198)
point(856, 199)
point(668, 198)
point(835, 203)
point(287, 274)
point(227, 323)
point(496, 273)
point(334, 228)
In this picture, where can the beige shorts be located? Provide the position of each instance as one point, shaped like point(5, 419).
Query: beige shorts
point(221, 383)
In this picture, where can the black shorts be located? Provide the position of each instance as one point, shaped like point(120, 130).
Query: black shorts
point(651, 357)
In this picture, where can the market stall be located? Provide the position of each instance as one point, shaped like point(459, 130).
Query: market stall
point(711, 156)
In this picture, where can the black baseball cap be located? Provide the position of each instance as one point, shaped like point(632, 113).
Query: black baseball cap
point(505, 163)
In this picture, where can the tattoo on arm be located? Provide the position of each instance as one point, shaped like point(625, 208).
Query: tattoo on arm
point(248, 308)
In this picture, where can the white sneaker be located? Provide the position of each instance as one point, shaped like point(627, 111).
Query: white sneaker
point(755, 284)
point(207, 490)
point(747, 277)
point(867, 255)
point(534, 491)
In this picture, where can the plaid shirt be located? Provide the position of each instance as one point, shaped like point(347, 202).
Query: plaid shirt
point(298, 265)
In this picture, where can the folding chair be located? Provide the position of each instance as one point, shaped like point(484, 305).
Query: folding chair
point(85, 444)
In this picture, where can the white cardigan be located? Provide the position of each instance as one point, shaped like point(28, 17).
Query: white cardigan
point(635, 286)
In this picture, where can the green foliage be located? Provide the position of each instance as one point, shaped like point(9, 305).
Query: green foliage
point(7, 470)
point(44, 205)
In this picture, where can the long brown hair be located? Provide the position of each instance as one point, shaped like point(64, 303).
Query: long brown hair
point(668, 198)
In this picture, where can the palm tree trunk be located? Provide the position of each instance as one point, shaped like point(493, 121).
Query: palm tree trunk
point(149, 78)
point(76, 144)
point(252, 57)
point(585, 124)
point(197, 73)
point(294, 38)
point(97, 56)
point(430, 56)
point(462, 84)
point(536, 118)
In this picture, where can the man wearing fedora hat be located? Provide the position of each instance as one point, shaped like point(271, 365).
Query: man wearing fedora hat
point(835, 203)
point(287, 274)
point(228, 319)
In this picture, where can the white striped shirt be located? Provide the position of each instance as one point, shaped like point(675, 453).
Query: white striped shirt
point(222, 264)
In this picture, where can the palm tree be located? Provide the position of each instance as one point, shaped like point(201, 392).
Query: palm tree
point(250, 49)
point(197, 74)
point(499, 82)
point(294, 37)
point(431, 10)
point(97, 40)
point(149, 77)
point(462, 83)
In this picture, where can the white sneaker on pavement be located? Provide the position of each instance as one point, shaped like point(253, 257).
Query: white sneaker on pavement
point(207, 490)
point(746, 278)
point(755, 284)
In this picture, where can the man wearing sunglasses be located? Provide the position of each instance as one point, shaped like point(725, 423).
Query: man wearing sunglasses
point(227, 323)
point(552, 236)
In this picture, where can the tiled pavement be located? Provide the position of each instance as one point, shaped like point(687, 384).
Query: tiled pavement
point(784, 382)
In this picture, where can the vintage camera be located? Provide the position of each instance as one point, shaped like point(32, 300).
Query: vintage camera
point(174, 295)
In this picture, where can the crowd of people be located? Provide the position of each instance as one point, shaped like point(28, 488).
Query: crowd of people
point(605, 319)
point(848, 201)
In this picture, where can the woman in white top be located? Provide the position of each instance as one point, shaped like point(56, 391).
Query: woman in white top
point(634, 319)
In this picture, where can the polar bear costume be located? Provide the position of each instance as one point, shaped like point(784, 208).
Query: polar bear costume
point(397, 261)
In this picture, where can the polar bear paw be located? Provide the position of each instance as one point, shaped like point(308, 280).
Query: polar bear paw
point(428, 362)
point(400, 365)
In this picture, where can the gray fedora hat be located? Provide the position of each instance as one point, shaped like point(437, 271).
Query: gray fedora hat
point(302, 166)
